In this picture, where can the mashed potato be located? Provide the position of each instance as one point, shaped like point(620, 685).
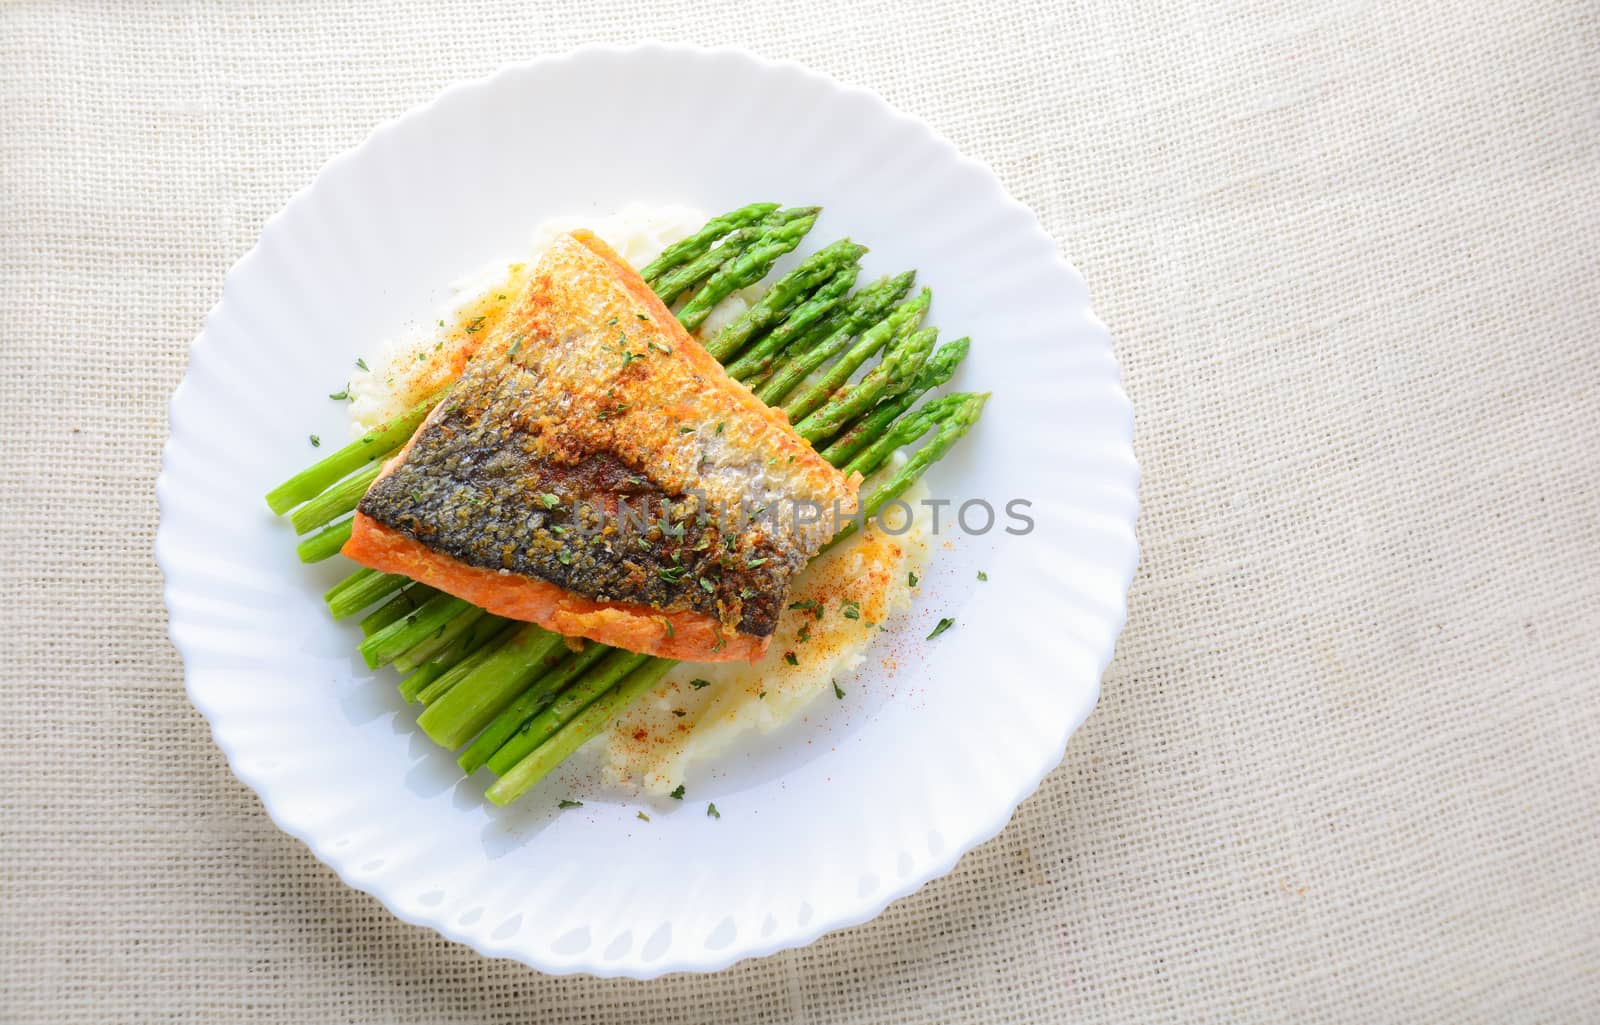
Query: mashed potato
point(838, 605)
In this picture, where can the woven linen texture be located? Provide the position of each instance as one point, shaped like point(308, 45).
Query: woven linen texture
point(1347, 763)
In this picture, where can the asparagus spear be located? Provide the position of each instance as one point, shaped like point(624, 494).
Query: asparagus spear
point(685, 250)
point(465, 666)
point(468, 706)
point(361, 589)
point(400, 635)
point(888, 331)
point(896, 373)
point(419, 653)
point(904, 431)
point(675, 283)
point(575, 732)
point(951, 430)
point(796, 324)
point(321, 475)
point(528, 704)
point(941, 366)
point(480, 637)
point(326, 544)
point(407, 601)
point(784, 296)
point(336, 501)
point(614, 667)
point(866, 308)
point(746, 268)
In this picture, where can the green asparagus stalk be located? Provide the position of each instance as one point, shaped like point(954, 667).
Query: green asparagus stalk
point(484, 693)
point(376, 444)
point(796, 324)
point(951, 430)
point(941, 366)
point(481, 636)
point(574, 732)
point(675, 283)
point(528, 704)
point(401, 605)
point(905, 431)
point(893, 375)
point(467, 665)
point(888, 331)
point(746, 268)
point(394, 639)
point(787, 293)
point(325, 545)
point(414, 657)
point(360, 589)
point(696, 245)
point(336, 501)
point(615, 666)
point(831, 337)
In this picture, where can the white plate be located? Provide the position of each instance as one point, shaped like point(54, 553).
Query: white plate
point(828, 820)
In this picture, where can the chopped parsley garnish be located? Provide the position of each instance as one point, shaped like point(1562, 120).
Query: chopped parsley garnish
point(685, 430)
point(943, 625)
point(641, 316)
point(911, 579)
point(720, 426)
point(316, 442)
point(361, 363)
point(851, 609)
point(642, 817)
point(810, 605)
point(762, 696)
point(612, 322)
point(668, 624)
point(516, 343)
point(629, 357)
point(565, 557)
point(838, 691)
point(788, 657)
point(475, 326)
point(651, 344)
point(564, 803)
point(340, 396)
point(755, 563)
point(712, 813)
point(708, 586)
point(805, 633)
point(697, 684)
point(549, 501)
point(677, 795)
point(982, 575)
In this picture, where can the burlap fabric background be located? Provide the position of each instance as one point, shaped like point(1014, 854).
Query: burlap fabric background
point(1347, 763)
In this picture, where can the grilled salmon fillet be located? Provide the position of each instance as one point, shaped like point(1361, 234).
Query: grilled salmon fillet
point(597, 472)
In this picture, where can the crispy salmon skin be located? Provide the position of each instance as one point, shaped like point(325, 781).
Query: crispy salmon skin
point(597, 472)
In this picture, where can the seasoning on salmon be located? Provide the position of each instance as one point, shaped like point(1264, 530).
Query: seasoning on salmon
point(597, 472)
